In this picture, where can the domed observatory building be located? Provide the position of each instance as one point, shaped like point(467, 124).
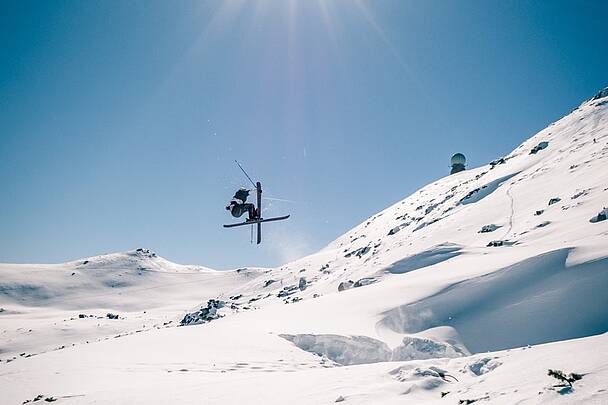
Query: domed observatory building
point(458, 163)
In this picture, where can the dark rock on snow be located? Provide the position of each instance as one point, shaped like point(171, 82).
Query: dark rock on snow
point(288, 290)
point(205, 314)
point(346, 285)
point(601, 216)
point(554, 200)
point(364, 281)
point(358, 252)
point(268, 282)
point(488, 228)
point(539, 147)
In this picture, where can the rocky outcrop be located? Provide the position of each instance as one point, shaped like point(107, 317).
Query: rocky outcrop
point(203, 315)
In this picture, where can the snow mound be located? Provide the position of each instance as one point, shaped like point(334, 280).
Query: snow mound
point(483, 365)
point(425, 378)
point(537, 300)
point(416, 348)
point(344, 350)
point(349, 350)
point(482, 192)
point(429, 257)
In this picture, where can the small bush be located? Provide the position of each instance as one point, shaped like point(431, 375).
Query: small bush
point(563, 378)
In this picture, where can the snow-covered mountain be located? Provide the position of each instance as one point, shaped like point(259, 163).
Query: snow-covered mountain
point(469, 290)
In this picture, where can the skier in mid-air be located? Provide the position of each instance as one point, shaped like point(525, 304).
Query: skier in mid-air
point(239, 205)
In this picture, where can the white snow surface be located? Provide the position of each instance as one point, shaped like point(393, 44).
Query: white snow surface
point(434, 314)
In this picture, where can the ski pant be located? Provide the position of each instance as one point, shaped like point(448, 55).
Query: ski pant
point(238, 210)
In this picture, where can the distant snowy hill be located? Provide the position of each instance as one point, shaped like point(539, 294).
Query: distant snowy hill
point(469, 290)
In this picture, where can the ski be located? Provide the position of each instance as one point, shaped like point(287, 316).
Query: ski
point(258, 189)
point(257, 221)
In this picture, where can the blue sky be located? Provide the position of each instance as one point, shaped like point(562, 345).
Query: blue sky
point(120, 121)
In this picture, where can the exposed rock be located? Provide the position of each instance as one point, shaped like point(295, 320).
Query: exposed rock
point(470, 194)
point(346, 285)
point(480, 175)
point(365, 281)
point(539, 147)
point(358, 252)
point(291, 300)
point(145, 253)
point(601, 216)
point(268, 282)
point(603, 93)
point(40, 398)
point(425, 224)
point(37, 398)
point(579, 194)
point(599, 104)
point(205, 314)
point(497, 162)
point(288, 290)
point(430, 208)
point(488, 228)
point(554, 200)
point(111, 316)
point(470, 401)
point(394, 230)
point(302, 284)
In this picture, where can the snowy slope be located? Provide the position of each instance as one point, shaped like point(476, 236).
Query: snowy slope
point(44, 301)
point(469, 289)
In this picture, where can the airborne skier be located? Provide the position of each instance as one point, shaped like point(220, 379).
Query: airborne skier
point(239, 205)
